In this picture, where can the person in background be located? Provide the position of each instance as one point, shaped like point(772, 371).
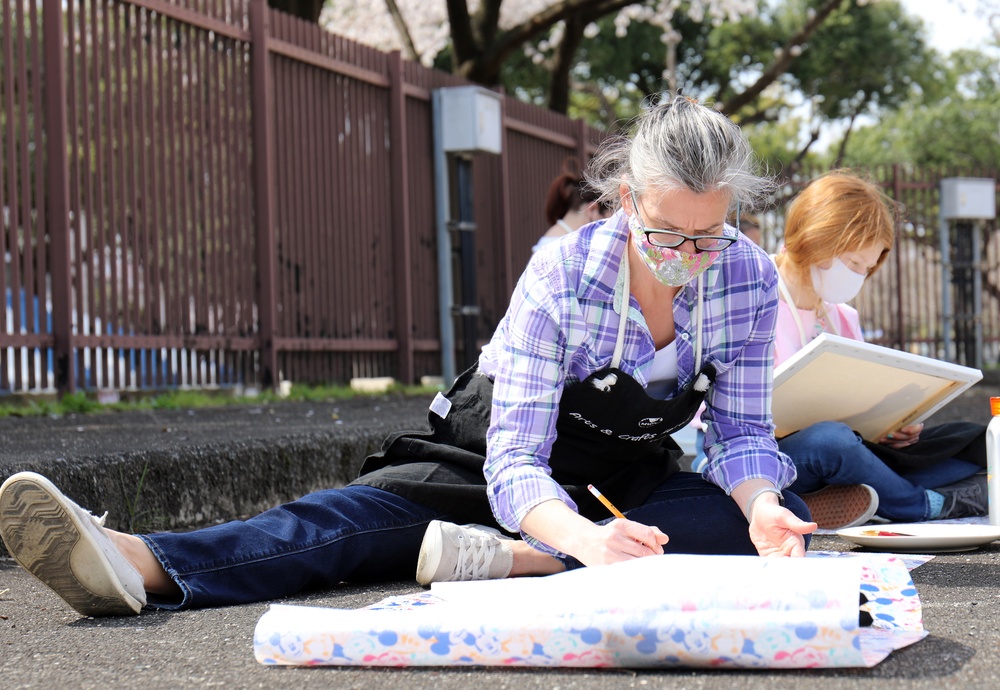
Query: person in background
point(749, 225)
point(838, 232)
point(569, 205)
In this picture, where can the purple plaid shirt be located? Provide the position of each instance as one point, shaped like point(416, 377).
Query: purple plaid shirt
point(561, 326)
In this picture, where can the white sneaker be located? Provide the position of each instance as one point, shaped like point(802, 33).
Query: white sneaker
point(463, 552)
point(66, 548)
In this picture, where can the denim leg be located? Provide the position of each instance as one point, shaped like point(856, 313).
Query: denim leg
point(356, 533)
point(699, 518)
point(831, 453)
point(942, 473)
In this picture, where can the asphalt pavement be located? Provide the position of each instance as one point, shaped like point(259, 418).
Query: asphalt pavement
point(189, 468)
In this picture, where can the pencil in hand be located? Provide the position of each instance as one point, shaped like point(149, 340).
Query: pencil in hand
point(607, 504)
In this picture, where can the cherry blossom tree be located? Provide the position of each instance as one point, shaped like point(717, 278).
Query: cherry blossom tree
point(481, 35)
point(478, 38)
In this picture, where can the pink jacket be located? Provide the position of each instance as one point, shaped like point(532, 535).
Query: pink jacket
point(843, 321)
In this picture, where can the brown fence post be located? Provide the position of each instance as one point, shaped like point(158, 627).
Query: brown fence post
point(897, 192)
point(57, 192)
point(510, 273)
point(403, 280)
point(263, 189)
point(582, 144)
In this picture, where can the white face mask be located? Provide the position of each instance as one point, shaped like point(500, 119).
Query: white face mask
point(837, 284)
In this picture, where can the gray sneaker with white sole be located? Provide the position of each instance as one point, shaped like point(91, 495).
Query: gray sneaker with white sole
point(67, 548)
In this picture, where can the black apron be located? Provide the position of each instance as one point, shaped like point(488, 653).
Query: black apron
point(609, 433)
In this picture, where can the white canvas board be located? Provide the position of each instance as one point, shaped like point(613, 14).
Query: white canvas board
point(872, 389)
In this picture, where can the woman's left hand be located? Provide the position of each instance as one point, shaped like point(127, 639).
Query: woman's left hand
point(776, 531)
point(906, 436)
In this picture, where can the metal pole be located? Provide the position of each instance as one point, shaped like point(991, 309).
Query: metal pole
point(947, 321)
point(466, 228)
point(977, 294)
point(442, 203)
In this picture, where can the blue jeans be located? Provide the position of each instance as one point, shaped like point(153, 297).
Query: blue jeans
point(831, 453)
point(364, 534)
point(700, 518)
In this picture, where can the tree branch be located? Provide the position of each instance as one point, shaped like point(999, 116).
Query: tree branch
point(781, 62)
point(463, 42)
point(813, 138)
point(565, 55)
point(510, 40)
point(409, 49)
point(487, 21)
point(842, 150)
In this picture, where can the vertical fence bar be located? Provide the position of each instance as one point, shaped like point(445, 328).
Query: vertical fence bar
point(57, 187)
point(402, 255)
point(504, 227)
point(20, 197)
point(36, 248)
point(897, 195)
point(263, 187)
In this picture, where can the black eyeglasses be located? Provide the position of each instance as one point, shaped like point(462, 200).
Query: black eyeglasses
point(671, 239)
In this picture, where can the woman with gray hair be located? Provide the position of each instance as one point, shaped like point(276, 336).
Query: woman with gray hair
point(608, 346)
point(610, 343)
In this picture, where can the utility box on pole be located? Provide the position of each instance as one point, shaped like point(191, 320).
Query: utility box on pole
point(467, 120)
point(966, 202)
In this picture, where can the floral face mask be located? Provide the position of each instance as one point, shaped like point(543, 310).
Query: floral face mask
point(672, 267)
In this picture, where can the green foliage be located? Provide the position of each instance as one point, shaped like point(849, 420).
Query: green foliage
point(78, 403)
point(775, 143)
point(863, 58)
point(81, 403)
point(958, 128)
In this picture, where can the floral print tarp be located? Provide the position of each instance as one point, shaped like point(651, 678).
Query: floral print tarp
point(668, 611)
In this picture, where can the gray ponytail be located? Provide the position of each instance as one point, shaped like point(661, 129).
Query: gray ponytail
point(676, 144)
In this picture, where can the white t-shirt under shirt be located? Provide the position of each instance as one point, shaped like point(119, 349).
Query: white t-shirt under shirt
point(663, 376)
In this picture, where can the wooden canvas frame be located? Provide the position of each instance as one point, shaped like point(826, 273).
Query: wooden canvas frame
point(872, 389)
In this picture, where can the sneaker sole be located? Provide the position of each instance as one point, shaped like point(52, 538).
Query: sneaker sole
point(430, 554)
point(47, 538)
point(840, 506)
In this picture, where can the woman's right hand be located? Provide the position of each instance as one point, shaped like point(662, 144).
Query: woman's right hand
point(556, 524)
point(620, 540)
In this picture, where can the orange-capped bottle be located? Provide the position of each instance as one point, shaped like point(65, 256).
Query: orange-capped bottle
point(993, 461)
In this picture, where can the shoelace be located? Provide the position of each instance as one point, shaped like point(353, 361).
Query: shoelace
point(970, 497)
point(475, 554)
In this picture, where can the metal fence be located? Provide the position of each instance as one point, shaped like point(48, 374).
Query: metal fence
point(210, 193)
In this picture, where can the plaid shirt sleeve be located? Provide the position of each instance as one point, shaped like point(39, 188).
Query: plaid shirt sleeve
point(527, 364)
point(740, 442)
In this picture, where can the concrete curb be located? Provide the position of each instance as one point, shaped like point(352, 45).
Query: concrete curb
point(211, 467)
point(156, 490)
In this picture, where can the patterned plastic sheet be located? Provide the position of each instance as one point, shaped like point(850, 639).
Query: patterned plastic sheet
point(669, 611)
